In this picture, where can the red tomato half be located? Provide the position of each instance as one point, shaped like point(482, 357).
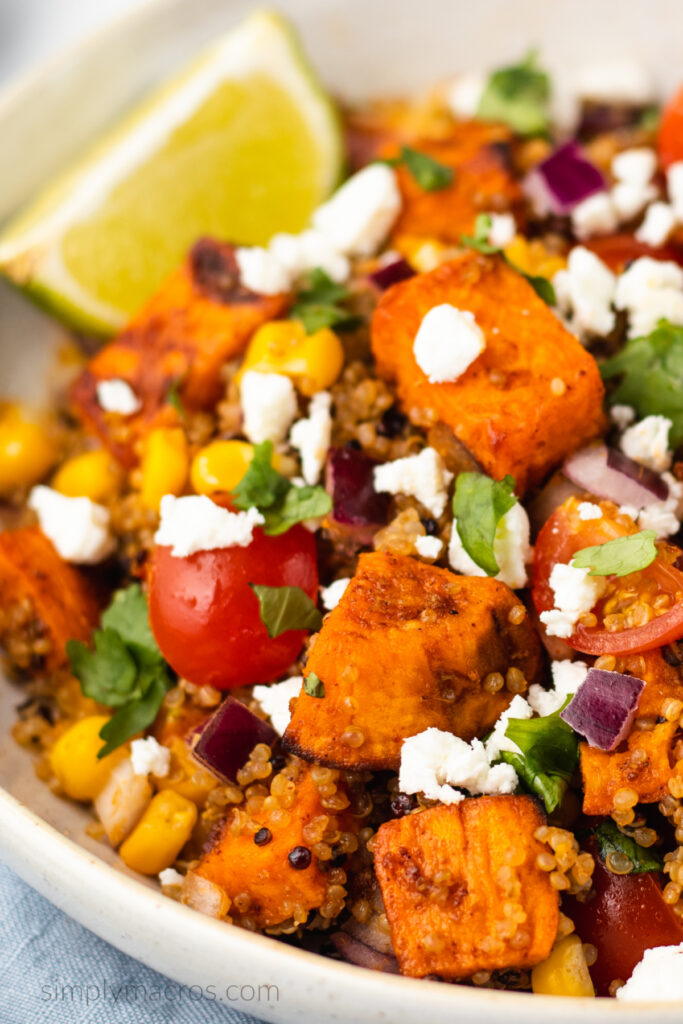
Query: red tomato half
point(627, 916)
point(670, 141)
point(561, 537)
point(206, 617)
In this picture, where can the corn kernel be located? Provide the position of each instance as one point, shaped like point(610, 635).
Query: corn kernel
point(565, 972)
point(93, 475)
point(160, 835)
point(220, 466)
point(164, 466)
point(312, 361)
point(532, 257)
point(73, 759)
point(26, 450)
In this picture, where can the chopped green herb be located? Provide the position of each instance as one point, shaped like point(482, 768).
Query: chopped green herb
point(284, 608)
point(549, 758)
point(429, 174)
point(281, 503)
point(317, 305)
point(297, 505)
point(651, 376)
point(108, 674)
point(314, 686)
point(173, 397)
point(519, 97)
point(541, 285)
point(649, 119)
point(620, 556)
point(479, 241)
point(611, 840)
point(479, 504)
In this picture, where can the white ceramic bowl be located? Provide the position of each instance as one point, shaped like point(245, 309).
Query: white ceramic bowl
point(362, 48)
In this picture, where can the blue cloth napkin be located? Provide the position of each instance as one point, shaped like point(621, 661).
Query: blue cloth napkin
point(53, 971)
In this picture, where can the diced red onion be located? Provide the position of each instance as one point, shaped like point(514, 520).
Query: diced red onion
point(228, 737)
point(391, 273)
point(610, 474)
point(355, 502)
point(552, 495)
point(358, 953)
point(563, 180)
point(604, 707)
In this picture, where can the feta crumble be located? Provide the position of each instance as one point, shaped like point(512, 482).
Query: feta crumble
point(674, 184)
point(78, 528)
point(661, 516)
point(423, 476)
point(312, 436)
point(332, 595)
point(636, 166)
point(594, 216)
point(622, 416)
point(587, 510)
point(567, 678)
point(464, 95)
point(629, 198)
point(659, 222)
point(361, 213)
point(511, 549)
point(149, 757)
point(275, 698)
point(195, 523)
point(299, 254)
point(647, 442)
point(650, 290)
point(502, 230)
point(261, 271)
point(116, 395)
point(447, 342)
point(575, 593)
point(658, 976)
point(585, 291)
point(433, 762)
point(269, 405)
point(498, 741)
point(428, 547)
point(170, 877)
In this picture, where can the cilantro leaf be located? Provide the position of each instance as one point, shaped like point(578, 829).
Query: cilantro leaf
point(128, 616)
point(173, 397)
point(651, 376)
point(429, 174)
point(611, 840)
point(549, 788)
point(518, 96)
point(550, 755)
point(541, 285)
point(135, 716)
point(620, 556)
point(479, 241)
point(109, 673)
point(479, 503)
point(285, 608)
point(297, 505)
point(313, 685)
point(317, 305)
point(261, 486)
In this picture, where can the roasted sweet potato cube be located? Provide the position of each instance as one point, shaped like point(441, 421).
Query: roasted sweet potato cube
point(449, 874)
point(408, 647)
point(531, 397)
point(645, 761)
point(277, 886)
point(44, 601)
point(200, 318)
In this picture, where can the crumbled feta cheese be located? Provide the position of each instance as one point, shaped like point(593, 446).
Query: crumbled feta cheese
point(647, 442)
point(575, 593)
point(117, 396)
point(447, 342)
point(659, 222)
point(511, 549)
point(567, 678)
point(498, 741)
point(150, 758)
point(269, 405)
point(650, 290)
point(629, 199)
point(423, 476)
point(674, 184)
point(261, 271)
point(332, 595)
point(78, 528)
point(636, 166)
point(195, 523)
point(433, 762)
point(657, 977)
point(587, 510)
point(361, 213)
point(170, 877)
point(594, 216)
point(428, 547)
point(585, 290)
point(312, 436)
point(661, 516)
point(464, 95)
point(615, 81)
point(304, 252)
point(622, 416)
point(502, 230)
point(275, 698)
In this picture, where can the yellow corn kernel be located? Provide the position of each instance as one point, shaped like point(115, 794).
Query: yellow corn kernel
point(532, 257)
point(94, 475)
point(565, 972)
point(221, 465)
point(186, 776)
point(161, 833)
point(164, 466)
point(73, 759)
point(26, 450)
point(312, 361)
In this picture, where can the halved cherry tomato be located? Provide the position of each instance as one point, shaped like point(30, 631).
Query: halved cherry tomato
point(619, 250)
point(206, 617)
point(563, 535)
point(627, 916)
point(670, 140)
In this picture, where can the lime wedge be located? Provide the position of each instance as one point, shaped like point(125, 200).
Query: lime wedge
point(243, 144)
